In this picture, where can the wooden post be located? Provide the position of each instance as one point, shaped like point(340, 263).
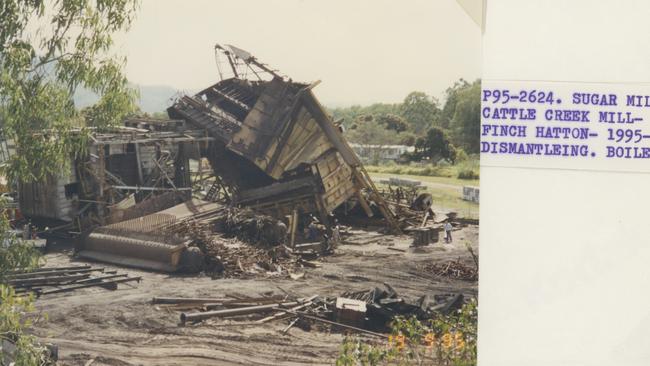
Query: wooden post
point(425, 219)
point(320, 205)
point(101, 165)
point(138, 162)
point(365, 181)
point(101, 177)
point(364, 203)
point(294, 227)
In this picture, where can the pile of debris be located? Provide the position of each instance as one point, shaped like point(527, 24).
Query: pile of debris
point(376, 308)
point(279, 165)
point(231, 258)
point(455, 269)
point(239, 243)
point(232, 222)
point(367, 312)
point(275, 146)
point(54, 280)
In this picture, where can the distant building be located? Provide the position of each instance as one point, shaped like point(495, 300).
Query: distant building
point(381, 153)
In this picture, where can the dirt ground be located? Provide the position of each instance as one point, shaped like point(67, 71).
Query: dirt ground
point(95, 326)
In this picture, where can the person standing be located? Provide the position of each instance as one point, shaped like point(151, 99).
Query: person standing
point(448, 228)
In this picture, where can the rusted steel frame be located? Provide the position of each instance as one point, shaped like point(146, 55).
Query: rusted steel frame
point(154, 179)
point(253, 60)
point(232, 63)
point(170, 140)
point(231, 99)
point(164, 173)
point(86, 285)
point(185, 317)
point(60, 227)
point(223, 187)
point(248, 61)
point(115, 178)
point(138, 188)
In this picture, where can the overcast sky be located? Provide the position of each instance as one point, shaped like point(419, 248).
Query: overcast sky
point(363, 51)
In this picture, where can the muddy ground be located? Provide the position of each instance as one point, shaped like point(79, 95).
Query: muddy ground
point(95, 326)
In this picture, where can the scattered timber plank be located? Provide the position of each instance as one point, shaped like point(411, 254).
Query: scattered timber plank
point(307, 316)
point(308, 302)
point(185, 300)
point(396, 249)
point(286, 329)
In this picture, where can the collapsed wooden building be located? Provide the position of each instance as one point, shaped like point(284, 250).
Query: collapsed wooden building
point(270, 144)
point(275, 147)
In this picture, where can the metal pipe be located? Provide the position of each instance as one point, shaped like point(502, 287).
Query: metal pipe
point(45, 280)
point(181, 300)
point(85, 285)
point(232, 312)
point(18, 276)
point(137, 188)
point(101, 278)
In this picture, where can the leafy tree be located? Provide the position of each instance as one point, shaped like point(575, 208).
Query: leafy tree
point(435, 145)
point(15, 254)
point(451, 100)
point(350, 114)
point(46, 52)
point(407, 138)
point(361, 120)
point(393, 122)
point(420, 110)
point(160, 115)
point(466, 123)
point(370, 132)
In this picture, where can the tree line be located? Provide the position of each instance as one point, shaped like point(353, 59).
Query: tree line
point(436, 130)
